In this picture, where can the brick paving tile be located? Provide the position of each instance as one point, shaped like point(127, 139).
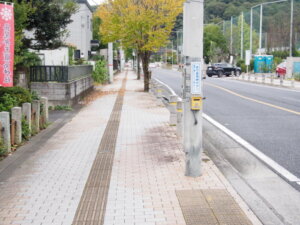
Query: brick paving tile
point(46, 188)
point(149, 166)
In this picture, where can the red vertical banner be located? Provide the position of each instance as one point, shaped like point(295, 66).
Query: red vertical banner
point(7, 43)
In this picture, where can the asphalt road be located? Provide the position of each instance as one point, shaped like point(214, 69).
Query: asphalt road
point(266, 117)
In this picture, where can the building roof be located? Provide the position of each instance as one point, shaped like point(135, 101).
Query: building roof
point(85, 2)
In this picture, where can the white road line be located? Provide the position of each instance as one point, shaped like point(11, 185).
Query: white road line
point(279, 169)
point(167, 86)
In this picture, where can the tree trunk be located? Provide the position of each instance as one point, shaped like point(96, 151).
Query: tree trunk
point(138, 66)
point(145, 56)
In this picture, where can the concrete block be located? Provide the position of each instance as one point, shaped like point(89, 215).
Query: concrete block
point(26, 111)
point(44, 113)
point(179, 118)
point(5, 131)
point(293, 83)
point(281, 81)
point(16, 117)
point(159, 90)
point(272, 79)
point(173, 110)
point(36, 111)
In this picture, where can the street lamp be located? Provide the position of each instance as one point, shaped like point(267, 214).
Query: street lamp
point(260, 22)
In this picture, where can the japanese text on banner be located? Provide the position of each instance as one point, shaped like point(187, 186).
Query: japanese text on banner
point(6, 45)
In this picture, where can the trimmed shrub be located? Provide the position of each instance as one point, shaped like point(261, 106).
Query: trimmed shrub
point(100, 75)
point(297, 76)
point(22, 95)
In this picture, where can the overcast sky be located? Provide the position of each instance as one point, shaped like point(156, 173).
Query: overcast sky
point(95, 2)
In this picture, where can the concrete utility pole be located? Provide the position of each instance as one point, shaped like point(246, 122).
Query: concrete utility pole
point(251, 30)
point(110, 62)
point(242, 36)
point(192, 83)
point(291, 28)
point(231, 36)
point(260, 28)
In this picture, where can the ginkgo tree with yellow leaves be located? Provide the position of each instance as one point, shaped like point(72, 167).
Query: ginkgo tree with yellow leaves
point(144, 25)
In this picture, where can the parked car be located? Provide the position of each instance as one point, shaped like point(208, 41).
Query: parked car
point(221, 69)
point(281, 69)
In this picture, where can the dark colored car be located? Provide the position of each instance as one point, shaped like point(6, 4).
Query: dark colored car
point(221, 69)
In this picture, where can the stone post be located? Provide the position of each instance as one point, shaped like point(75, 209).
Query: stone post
point(179, 117)
point(26, 111)
point(16, 116)
point(272, 79)
point(45, 114)
point(159, 91)
point(293, 82)
point(281, 80)
point(36, 116)
point(5, 131)
point(173, 110)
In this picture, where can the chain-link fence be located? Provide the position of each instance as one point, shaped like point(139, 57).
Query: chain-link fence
point(267, 33)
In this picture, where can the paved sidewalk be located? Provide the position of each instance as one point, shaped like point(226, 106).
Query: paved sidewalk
point(46, 188)
point(147, 184)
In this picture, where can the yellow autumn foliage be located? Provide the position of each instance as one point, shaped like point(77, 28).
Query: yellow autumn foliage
point(141, 24)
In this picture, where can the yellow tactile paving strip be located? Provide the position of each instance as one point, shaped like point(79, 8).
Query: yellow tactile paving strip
point(210, 207)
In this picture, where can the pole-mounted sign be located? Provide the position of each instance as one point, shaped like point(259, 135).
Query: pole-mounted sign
point(196, 78)
point(6, 44)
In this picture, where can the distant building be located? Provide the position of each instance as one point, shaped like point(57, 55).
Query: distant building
point(80, 31)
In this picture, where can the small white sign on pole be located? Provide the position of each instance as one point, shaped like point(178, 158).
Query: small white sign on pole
point(248, 58)
point(196, 79)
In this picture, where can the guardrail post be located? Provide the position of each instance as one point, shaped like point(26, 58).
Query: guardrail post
point(281, 80)
point(263, 78)
point(272, 79)
point(159, 91)
point(173, 110)
point(293, 82)
point(36, 116)
point(26, 111)
point(5, 123)
point(249, 77)
point(154, 88)
point(45, 114)
point(16, 120)
point(179, 117)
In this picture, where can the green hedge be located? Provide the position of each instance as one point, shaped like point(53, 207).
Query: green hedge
point(100, 74)
point(13, 96)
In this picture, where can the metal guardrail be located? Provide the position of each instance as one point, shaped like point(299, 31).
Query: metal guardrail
point(172, 102)
point(59, 73)
point(164, 89)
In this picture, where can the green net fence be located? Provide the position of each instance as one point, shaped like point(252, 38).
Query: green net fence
point(270, 33)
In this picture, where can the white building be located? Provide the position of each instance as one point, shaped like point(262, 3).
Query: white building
point(80, 31)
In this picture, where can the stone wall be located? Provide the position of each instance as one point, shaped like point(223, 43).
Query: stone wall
point(67, 93)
